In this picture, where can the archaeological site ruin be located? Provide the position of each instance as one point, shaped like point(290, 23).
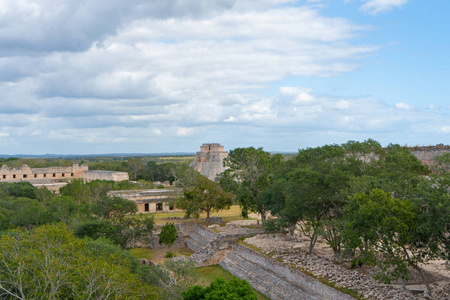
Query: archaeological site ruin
point(209, 160)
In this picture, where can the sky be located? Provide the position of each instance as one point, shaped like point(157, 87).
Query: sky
point(140, 76)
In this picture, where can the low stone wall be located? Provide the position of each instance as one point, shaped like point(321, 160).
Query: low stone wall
point(91, 175)
point(196, 236)
point(275, 279)
point(189, 228)
point(154, 242)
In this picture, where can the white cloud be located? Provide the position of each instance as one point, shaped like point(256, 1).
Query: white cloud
point(162, 72)
point(184, 131)
point(445, 129)
point(378, 6)
point(296, 95)
point(342, 104)
point(404, 106)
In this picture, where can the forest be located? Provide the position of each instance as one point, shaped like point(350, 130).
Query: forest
point(377, 206)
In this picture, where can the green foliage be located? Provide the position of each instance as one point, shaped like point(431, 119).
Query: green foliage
point(117, 222)
point(168, 235)
point(78, 190)
point(250, 172)
point(274, 226)
point(62, 208)
point(19, 189)
point(173, 278)
point(219, 289)
point(170, 254)
point(383, 226)
point(203, 195)
point(135, 167)
point(50, 263)
point(114, 207)
point(98, 229)
point(442, 163)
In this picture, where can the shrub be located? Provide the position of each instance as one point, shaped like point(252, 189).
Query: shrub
point(170, 254)
point(168, 234)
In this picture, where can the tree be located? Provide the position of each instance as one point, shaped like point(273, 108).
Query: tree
point(62, 208)
point(250, 172)
point(172, 277)
point(77, 189)
point(168, 235)
point(315, 192)
point(384, 226)
point(127, 228)
point(135, 166)
point(20, 189)
point(114, 207)
point(204, 195)
point(219, 289)
point(49, 262)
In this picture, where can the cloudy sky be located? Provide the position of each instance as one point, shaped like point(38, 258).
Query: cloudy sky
point(103, 76)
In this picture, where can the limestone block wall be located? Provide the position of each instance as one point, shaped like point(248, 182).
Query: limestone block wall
point(209, 160)
point(147, 201)
point(25, 173)
point(427, 154)
point(105, 175)
point(197, 237)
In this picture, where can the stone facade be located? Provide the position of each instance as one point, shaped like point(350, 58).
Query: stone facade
point(42, 175)
point(54, 178)
point(427, 154)
point(158, 200)
point(209, 160)
point(105, 175)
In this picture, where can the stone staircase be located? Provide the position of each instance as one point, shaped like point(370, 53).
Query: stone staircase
point(274, 279)
point(198, 237)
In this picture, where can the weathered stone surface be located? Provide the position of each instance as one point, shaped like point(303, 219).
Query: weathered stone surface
point(270, 277)
point(275, 279)
point(325, 268)
point(42, 175)
point(150, 200)
point(105, 175)
point(209, 160)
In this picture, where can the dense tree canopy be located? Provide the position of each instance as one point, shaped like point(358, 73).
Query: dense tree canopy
point(51, 263)
point(204, 195)
point(250, 173)
point(220, 289)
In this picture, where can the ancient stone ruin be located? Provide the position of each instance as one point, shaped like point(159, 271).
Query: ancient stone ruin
point(148, 201)
point(55, 177)
point(209, 160)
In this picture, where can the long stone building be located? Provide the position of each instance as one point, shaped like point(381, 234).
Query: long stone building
point(25, 173)
point(209, 160)
point(158, 200)
point(55, 177)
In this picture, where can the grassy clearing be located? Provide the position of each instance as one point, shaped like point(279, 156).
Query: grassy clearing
point(208, 274)
point(233, 214)
point(159, 256)
point(146, 253)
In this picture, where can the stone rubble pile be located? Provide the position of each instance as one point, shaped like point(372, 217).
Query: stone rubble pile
point(324, 267)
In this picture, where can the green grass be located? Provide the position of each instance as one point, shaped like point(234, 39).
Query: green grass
point(209, 273)
point(232, 214)
point(146, 253)
point(159, 256)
